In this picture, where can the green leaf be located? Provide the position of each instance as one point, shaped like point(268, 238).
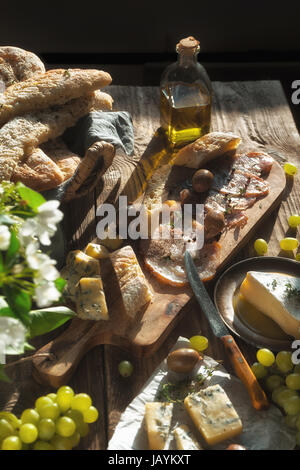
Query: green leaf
point(48, 319)
point(3, 375)
point(60, 284)
point(6, 220)
point(20, 303)
point(28, 347)
point(33, 199)
point(12, 249)
point(5, 310)
point(1, 263)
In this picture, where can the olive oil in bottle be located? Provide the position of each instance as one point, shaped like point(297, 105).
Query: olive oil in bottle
point(185, 96)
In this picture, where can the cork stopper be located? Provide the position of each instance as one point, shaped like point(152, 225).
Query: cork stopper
point(188, 45)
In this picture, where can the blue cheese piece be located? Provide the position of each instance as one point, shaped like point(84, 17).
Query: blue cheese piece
point(90, 299)
point(134, 287)
point(213, 414)
point(185, 440)
point(277, 296)
point(158, 417)
point(78, 265)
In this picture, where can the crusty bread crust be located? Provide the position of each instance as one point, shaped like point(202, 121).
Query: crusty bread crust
point(17, 64)
point(22, 134)
point(66, 160)
point(54, 87)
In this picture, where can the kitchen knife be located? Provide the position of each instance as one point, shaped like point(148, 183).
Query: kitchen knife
point(241, 367)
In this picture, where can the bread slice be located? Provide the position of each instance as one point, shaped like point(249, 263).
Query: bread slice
point(17, 64)
point(208, 147)
point(51, 88)
point(134, 287)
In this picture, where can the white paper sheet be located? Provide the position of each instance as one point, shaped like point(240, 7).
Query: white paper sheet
point(262, 430)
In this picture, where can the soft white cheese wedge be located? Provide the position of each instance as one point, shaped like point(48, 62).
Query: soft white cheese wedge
point(277, 296)
point(185, 440)
point(158, 417)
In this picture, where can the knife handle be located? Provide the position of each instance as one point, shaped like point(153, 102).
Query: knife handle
point(243, 371)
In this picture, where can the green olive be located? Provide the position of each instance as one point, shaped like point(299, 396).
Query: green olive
point(183, 360)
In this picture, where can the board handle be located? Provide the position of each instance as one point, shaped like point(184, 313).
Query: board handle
point(258, 397)
point(55, 362)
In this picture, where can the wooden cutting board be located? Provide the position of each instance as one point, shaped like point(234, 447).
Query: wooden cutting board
point(146, 333)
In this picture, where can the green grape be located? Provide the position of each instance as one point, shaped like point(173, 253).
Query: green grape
point(83, 429)
point(294, 220)
point(65, 389)
point(42, 401)
point(64, 398)
point(298, 422)
point(289, 243)
point(30, 416)
point(46, 429)
point(297, 257)
point(25, 446)
point(291, 421)
point(297, 369)
point(61, 443)
point(42, 445)
point(28, 433)
point(90, 415)
point(293, 381)
point(75, 439)
point(11, 418)
point(273, 382)
point(11, 443)
point(292, 405)
point(200, 343)
point(276, 392)
point(259, 370)
point(298, 438)
point(125, 368)
point(290, 169)
point(261, 246)
point(52, 396)
point(6, 429)
point(81, 402)
point(50, 411)
point(65, 426)
point(265, 357)
point(76, 415)
point(284, 361)
point(285, 395)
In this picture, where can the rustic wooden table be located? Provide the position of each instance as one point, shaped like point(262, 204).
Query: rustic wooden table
point(258, 112)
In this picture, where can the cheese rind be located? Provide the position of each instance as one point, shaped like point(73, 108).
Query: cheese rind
point(277, 296)
point(134, 287)
point(185, 440)
point(158, 417)
point(90, 299)
point(213, 414)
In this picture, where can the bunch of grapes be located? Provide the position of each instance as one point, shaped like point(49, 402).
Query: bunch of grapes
point(280, 378)
point(57, 422)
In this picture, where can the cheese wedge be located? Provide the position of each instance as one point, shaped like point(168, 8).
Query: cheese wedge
point(213, 414)
point(158, 417)
point(90, 299)
point(134, 287)
point(97, 251)
point(78, 265)
point(277, 296)
point(185, 440)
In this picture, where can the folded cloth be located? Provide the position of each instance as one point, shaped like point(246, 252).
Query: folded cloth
point(113, 127)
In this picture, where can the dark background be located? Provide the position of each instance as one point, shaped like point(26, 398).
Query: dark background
point(135, 40)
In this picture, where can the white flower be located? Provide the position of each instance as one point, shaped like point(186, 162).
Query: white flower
point(12, 336)
point(43, 225)
point(45, 294)
point(4, 237)
point(41, 263)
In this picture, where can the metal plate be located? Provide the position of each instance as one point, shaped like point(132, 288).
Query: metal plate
point(231, 280)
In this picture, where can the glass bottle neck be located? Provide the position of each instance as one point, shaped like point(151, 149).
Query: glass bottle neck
point(186, 60)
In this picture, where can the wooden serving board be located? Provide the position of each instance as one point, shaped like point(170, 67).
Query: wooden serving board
point(145, 334)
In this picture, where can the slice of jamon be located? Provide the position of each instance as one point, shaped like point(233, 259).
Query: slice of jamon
point(216, 201)
point(165, 260)
point(237, 185)
point(239, 203)
point(237, 219)
point(256, 163)
point(257, 187)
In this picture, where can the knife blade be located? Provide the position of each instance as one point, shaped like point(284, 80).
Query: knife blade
point(241, 367)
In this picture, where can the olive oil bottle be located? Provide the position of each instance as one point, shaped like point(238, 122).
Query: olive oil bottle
point(185, 96)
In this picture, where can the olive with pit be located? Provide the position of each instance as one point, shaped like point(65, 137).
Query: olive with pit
point(214, 223)
point(183, 360)
point(202, 180)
